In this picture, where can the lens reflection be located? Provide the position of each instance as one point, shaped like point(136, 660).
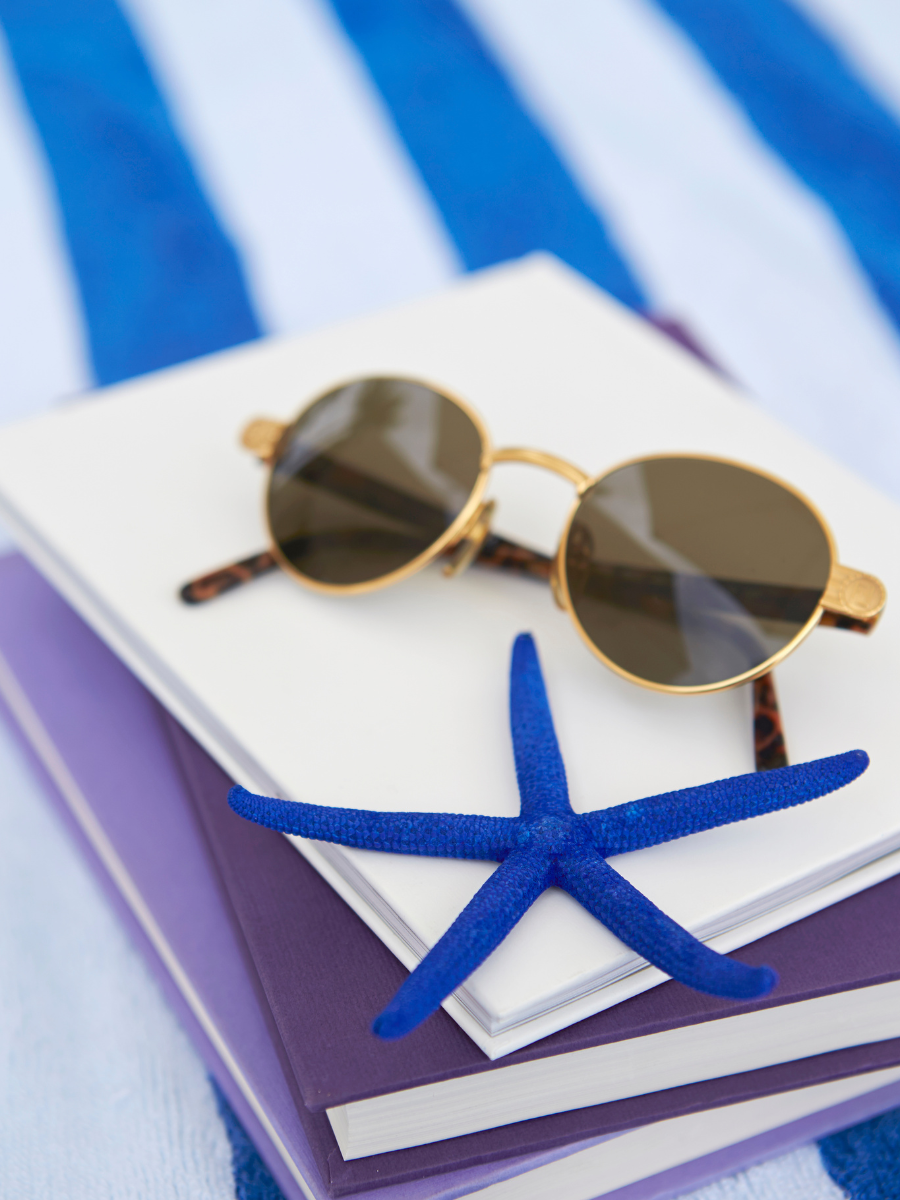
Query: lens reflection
point(688, 572)
point(369, 477)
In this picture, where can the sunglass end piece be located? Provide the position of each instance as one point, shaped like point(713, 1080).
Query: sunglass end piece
point(853, 599)
point(556, 585)
point(466, 550)
point(262, 436)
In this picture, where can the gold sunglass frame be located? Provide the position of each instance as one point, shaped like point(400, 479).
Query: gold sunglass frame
point(561, 587)
point(455, 533)
point(851, 598)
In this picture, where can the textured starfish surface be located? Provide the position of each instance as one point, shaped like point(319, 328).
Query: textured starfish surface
point(549, 845)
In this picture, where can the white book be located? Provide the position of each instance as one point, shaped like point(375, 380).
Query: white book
point(398, 699)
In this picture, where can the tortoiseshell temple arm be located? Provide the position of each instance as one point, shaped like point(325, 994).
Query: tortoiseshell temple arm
point(225, 579)
point(501, 554)
point(841, 621)
point(495, 551)
point(852, 600)
point(504, 555)
point(769, 746)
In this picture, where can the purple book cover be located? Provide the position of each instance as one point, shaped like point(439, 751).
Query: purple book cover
point(849, 945)
point(108, 735)
point(98, 742)
point(335, 1057)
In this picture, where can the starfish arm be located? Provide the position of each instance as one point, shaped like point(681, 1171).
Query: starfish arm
point(539, 766)
point(634, 919)
point(676, 814)
point(482, 925)
point(440, 835)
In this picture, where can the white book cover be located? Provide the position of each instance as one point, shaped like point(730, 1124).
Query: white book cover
point(398, 699)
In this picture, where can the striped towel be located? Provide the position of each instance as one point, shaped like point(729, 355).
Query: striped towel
point(178, 176)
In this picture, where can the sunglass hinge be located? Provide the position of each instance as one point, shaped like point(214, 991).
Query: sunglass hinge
point(466, 550)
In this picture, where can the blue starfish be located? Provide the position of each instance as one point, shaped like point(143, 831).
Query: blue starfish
point(549, 845)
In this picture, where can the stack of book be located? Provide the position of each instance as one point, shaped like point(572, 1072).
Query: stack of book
point(565, 1066)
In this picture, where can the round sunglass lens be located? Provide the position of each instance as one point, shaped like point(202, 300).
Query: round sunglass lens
point(688, 572)
point(369, 477)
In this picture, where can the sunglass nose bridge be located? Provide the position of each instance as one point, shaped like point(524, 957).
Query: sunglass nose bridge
point(549, 462)
point(466, 549)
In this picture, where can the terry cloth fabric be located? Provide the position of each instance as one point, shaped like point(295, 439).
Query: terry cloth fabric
point(252, 1180)
point(865, 1160)
point(181, 176)
point(102, 1093)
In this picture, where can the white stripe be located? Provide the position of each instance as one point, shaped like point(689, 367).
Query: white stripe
point(102, 1094)
point(867, 35)
point(42, 347)
point(723, 235)
point(43, 746)
point(290, 141)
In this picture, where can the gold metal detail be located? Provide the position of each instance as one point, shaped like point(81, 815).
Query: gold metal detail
point(262, 436)
point(696, 689)
point(852, 599)
point(472, 540)
point(555, 585)
point(448, 538)
point(854, 594)
point(550, 462)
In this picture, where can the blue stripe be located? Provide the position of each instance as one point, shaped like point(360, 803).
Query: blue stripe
point(811, 108)
point(252, 1180)
point(498, 182)
point(865, 1160)
point(159, 280)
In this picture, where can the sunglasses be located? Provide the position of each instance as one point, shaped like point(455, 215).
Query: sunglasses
point(684, 573)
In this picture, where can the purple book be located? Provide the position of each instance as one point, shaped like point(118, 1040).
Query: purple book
point(335, 1057)
point(117, 767)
